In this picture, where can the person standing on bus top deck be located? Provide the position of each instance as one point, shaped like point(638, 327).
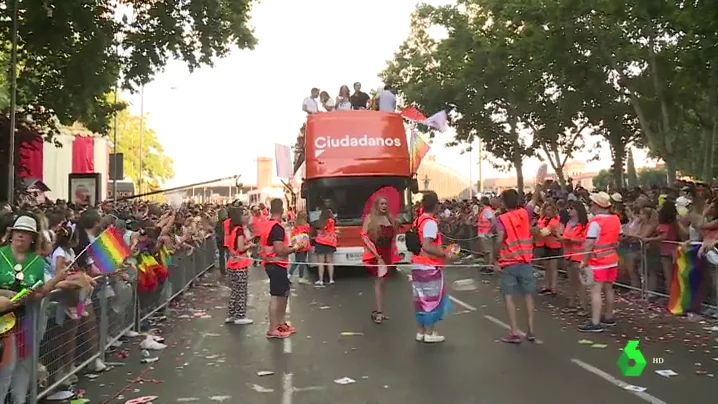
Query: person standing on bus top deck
point(601, 258)
point(310, 105)
point(342, 102)
point(274, 251)
point(359, 99)
point(387, 99)
point(327, 101)
point(325, 244)
point(515, 246)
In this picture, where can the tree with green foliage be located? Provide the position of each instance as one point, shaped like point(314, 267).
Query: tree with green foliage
point(156, 166)
point(462, 72)
point(602, 180)
point(72, 53)
point(643, 74)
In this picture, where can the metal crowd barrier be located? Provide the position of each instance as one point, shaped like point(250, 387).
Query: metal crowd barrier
point(645, 276)
point(52, 347)
point(642, 269)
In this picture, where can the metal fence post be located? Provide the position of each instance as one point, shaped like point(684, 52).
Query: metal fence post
point(104, 319)
point(36, 338)
point(644, 271)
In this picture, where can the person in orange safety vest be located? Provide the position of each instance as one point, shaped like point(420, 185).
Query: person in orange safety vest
point(237, 263)
point(513, 234)
point(325, 244)
point(486, 230)
point(274, 250)
point(599, 265)
point(573, 237)
point(431, 302)
point(546, 240)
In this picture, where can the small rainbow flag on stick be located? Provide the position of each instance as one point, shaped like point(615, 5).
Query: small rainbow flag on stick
point(687, 278)
point(419, 149)
point(109, 250)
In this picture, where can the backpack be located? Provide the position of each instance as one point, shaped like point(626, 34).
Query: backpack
point(411, 238)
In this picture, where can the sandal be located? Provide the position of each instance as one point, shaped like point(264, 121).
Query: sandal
point(511, 339)
point(378, 317)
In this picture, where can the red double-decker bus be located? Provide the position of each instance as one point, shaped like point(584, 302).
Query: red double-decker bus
point(349, 155)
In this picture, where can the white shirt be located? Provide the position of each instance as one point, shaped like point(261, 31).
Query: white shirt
point(430, 229)
point(68, 255)
point(387, 101)
point(330, 104)
point(342, 104)
point(311, 104)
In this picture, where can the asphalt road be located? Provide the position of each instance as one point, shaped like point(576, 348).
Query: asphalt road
point(207, 361)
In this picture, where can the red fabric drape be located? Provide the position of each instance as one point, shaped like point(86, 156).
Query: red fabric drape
point(83, 155)
point(31, 159)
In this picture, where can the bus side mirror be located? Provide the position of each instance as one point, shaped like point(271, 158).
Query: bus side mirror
point(414, 186)
point(303, 191)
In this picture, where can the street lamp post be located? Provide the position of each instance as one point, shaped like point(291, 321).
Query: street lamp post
point(13, 106)
point(142, 135)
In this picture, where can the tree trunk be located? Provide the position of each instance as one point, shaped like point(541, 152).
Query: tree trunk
point(619, 156)
point(708, 142)
point(518, 166)
point(671, 171)
point(631, 171)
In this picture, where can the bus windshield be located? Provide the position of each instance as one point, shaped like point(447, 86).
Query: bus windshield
point(347, 196)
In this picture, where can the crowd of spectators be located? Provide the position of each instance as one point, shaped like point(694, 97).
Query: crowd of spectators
point(58, 234)
point(655, 221)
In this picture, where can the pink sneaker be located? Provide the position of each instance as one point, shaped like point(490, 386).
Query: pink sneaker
point(278, 332)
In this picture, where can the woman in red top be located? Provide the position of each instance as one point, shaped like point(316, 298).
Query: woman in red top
point(545, 234)
point(325, 244)
point(237, 264)
point(573, 236)
point(378, 231)
point(301, 229)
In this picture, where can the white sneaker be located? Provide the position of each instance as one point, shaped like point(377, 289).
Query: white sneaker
point(72, 313)
point(433, 338)
point(229, 320)
point(304, 281)
point(319, 283)
point(419, 336)
point(98, 366)
point(331, 282)
point(132, 334)
point(150, 344)
point(243, 321)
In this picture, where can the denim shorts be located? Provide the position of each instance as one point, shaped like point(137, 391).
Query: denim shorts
point(518, 279)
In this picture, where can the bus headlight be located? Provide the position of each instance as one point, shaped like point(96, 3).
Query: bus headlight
point(401, 238)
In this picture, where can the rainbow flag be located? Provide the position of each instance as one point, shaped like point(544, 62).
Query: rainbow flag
point(146, 262)
point(419, 149)
point(109, 250)
point(686, 284)
point(165, 256)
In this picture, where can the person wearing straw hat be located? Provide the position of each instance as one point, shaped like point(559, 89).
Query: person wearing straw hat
point(599, 266)
point(21, 267)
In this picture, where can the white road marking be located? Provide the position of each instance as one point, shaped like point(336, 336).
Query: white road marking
point(616, 382)
point(506, 326)
point(462, 304)
point(287, 388)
